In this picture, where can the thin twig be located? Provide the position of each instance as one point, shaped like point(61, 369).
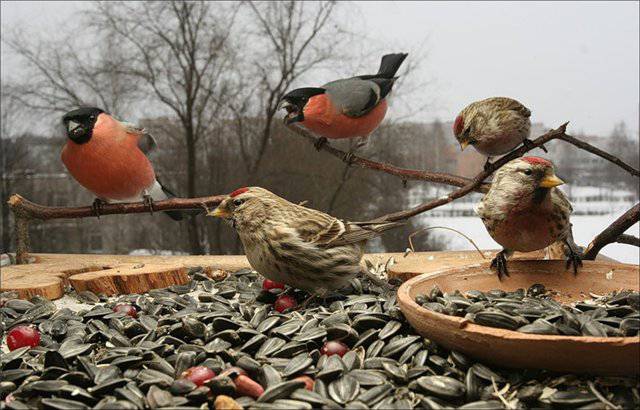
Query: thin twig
point(403, 173)
point(611, 233)
point(602, 154)
point(600, 397)
point(447, 228)
point(628, 240)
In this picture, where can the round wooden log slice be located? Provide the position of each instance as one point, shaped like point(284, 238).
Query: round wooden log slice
point(130, 278)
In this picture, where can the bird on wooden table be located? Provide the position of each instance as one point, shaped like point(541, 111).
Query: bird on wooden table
point(524, 211)
point(109, 158)
point(494, 126)
point(292, 244)
point(346, 108)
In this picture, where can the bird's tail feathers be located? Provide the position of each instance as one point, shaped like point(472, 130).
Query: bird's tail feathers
point(390, 64)
point(176, 215)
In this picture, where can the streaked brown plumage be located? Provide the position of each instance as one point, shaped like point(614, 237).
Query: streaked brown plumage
point(524, 211)
point(493, 126)
point(292, 244)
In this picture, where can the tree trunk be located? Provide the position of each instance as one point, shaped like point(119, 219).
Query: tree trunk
point(6, 220)
point(195, 246)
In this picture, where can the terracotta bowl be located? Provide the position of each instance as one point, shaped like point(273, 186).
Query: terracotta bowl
point(506, 348)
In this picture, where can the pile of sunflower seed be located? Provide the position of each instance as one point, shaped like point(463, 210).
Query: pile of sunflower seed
point(95, 358)
point(535, 311)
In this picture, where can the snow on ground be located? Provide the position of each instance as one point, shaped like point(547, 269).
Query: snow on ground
point(585, 228)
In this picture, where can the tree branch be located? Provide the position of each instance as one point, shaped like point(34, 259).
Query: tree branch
point(24, 208)
point(403, 173)
point(597, 151)
point(614, 233)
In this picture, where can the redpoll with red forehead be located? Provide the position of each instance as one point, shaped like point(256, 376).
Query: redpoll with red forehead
point(524, 211)
point(493, 126)
point(292, 244)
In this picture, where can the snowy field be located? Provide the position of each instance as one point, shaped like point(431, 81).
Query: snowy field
point(585, 228)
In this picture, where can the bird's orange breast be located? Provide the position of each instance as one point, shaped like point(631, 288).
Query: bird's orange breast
point(322, 118)
point(111, 168)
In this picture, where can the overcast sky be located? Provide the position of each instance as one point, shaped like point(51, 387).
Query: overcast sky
point(569, 61)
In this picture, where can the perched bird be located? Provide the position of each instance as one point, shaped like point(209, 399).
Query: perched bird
point(292, 244)
point(346, 108)
point(524, 211)
point(493, 126)
point(109, 158)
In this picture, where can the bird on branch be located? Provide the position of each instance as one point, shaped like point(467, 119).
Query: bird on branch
point(493, 126)
point(109, 158)
point(524, 211)
point(299, 246)
point(346, 108)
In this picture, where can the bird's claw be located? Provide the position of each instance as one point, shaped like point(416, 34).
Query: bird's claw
point(348, 158)
point(574, 258)
point(148, 201)
point(97, 207)
point(487, 165)
point(499, 263)
point(320, 142)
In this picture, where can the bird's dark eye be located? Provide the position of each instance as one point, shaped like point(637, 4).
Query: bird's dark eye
point(528, 172)
point(238, 202)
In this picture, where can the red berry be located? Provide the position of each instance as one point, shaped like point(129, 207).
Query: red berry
point(198, 374)
point(268, 284)
point(284, 302)
point(245, 386)
point(334, 347)
point(126, 309)
point(21, 336)
point(308, 382)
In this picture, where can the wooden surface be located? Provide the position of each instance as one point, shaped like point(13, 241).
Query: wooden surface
point(425, 262)
point(505, 348)
point(118, 274)
point(109, 274)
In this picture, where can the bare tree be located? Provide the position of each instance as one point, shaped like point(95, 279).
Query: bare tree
point(295, 38)
point(12, 153)
point(181, 52)
point(66, 73)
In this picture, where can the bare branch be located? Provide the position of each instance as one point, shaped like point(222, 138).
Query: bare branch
point(403, 173)
point(613, 232)
point(26, 209)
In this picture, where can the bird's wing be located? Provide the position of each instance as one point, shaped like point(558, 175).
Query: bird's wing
point(146, 142)
point(338, 233)
point(506, 103)
point(354, 97)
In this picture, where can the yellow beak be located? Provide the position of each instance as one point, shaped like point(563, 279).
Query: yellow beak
point(463, 145)
point(549, 181)
point(220, 213)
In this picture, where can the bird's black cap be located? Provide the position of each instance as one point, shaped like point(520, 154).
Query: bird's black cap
point(79, 123)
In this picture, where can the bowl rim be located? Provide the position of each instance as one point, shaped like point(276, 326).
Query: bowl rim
point(407, 302)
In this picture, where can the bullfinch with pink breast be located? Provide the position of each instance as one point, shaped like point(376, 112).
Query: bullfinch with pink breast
point(346, 108)
point(109, 158)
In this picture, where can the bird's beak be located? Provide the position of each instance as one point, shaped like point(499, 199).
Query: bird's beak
point(464, 145)
point(220, 213)
point(549, 181)
point(72, 125)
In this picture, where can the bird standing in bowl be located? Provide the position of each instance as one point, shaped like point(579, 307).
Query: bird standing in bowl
point(524, 211)
point(346, 108)
point(299, 246)
point(493, 126)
